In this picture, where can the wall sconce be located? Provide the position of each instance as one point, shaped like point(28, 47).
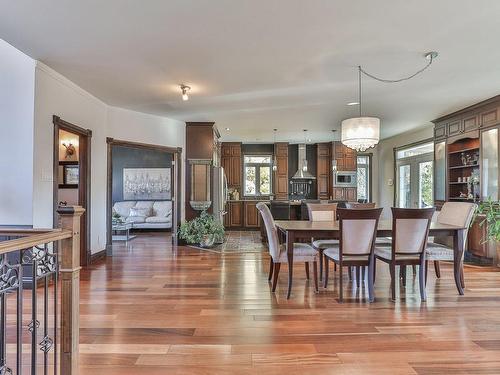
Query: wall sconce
point(334, 166)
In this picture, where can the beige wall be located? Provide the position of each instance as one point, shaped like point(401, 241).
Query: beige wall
point(383, 165)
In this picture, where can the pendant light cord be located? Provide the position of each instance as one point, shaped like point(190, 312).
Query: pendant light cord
point(429, 55)
point(359, 79)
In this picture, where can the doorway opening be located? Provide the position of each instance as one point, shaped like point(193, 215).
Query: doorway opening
point(143, 191)
point(72, 145)
point(414, 175)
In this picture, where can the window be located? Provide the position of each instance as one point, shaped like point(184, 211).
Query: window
point(364, 177)
point(257, 174)
point(414, 174)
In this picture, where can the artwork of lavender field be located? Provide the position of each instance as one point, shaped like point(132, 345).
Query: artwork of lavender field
point(147, 184)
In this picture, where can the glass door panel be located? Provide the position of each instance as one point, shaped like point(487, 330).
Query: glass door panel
point(404, 184)
point(489, 164)
point(425, 184)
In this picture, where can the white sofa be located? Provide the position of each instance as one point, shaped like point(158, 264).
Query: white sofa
point(145, 214)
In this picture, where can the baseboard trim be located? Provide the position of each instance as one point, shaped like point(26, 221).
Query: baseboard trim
point(97, 256)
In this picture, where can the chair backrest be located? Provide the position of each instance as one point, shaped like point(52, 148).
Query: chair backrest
point(340, 203)
point(456, 213)
point(359, 205)
point(358, 230)
point(410, 229)
point(280, 210)
point(272, 233)
point(322, 211)
point(304, 214)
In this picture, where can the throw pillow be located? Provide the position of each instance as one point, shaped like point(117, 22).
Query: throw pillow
point(139, 212)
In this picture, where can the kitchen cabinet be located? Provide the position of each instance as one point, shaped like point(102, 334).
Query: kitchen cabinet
point(345, 157)
point(323, 170)
point(345, 194)
point(281, 173)
point(231, 162)
point(234, 214)
point(251, 214)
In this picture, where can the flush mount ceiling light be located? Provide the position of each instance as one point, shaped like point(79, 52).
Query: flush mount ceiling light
point(352, 103)
point(362, 132)
point(185, 89)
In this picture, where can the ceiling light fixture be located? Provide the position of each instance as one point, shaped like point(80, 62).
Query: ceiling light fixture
point(185, 89)
point(352, 103)
point(361, 133)
point(304, 162)
point(227, 129)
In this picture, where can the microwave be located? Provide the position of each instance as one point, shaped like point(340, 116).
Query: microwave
point(345, 179)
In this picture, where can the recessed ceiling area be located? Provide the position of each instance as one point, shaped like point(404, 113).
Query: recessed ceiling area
point(257, 65)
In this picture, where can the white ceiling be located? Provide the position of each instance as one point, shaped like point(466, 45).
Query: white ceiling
point(255, 65)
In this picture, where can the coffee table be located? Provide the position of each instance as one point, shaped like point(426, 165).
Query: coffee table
point(122, 227)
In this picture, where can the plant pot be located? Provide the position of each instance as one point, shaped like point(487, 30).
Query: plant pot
point(207, 241)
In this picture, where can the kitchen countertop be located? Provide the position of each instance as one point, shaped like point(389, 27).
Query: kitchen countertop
point(267, 201)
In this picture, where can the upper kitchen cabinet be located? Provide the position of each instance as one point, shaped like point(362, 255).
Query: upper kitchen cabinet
point(281, 173)
point(231, 162)
point(345, 157)
point(323, 170)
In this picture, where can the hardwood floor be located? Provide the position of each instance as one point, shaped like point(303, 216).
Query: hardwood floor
point(157, 310)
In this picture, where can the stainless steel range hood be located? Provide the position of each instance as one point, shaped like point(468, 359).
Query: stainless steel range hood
point(302, 173)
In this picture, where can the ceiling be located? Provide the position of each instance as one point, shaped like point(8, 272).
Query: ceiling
point(255, 65)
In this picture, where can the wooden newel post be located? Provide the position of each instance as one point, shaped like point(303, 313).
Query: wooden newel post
point(69, 268)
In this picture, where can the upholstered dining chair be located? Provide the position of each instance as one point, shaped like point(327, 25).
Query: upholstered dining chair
point(410, 231)
point(322, 212)
point(440, 248)
point(359, 205)
point(304, 213)
point(302, 252)
point(357, 233)
point(280, 210)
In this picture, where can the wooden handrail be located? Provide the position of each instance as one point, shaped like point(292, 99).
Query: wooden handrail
point(34, 240)
point(22, 232)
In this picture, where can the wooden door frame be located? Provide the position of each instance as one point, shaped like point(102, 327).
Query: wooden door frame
point(84, 184)
point(176, 186)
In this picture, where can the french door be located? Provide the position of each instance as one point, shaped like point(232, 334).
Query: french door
point(414, 181)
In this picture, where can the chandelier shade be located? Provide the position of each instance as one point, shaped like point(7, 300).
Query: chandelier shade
point(360, 133)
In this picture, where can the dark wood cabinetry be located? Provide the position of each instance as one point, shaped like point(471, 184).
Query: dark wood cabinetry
point(345, 156)
point(251, 215)
point(345, 194)
point(231, 162)
point(281, 173)
point(323, 170)
point(234, 215)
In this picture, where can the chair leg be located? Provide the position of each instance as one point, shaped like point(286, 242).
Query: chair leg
point(421, 280)
point(374, 269)
point(271, 267)
point(275, 275)
point(341, 290)
point(363, 275)
point(306, 265)
point(334, 267)
point(320, 264)
point(349, 272)
point(414, 268)
point(315, 276)
point(325, 281)
point(437, 268)
point(426, 266)
point(358, 276)
point(371, 278)
point(402, 274)
point(462, 280)
point(393, 282)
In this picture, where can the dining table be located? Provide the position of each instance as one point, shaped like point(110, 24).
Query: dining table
point(300, 230)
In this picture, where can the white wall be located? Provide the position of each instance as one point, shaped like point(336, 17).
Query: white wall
point(56, 95)
point(17, 80)
point(383, 165)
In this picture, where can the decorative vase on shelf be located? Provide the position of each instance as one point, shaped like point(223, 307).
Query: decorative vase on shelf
point(463, 158)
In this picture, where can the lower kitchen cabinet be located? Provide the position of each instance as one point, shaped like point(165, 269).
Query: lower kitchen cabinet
point(235, 214)
point(345, 194)
point(252, 216)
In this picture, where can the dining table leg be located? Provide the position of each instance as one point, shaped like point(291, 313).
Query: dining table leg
point(289, 249)
point(458, 251)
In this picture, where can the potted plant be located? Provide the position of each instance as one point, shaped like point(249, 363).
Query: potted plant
point(203, 230)
point(488, 212)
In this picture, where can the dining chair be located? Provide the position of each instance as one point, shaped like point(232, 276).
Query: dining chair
point(441, 248)
point(322, 212)
point(302, 252)
point(304, 214)
point(358, 205)
point(280, 210)
point(410, 231)
point(357, 233)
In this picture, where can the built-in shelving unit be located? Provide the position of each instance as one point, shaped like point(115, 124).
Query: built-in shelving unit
point(463, 169)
